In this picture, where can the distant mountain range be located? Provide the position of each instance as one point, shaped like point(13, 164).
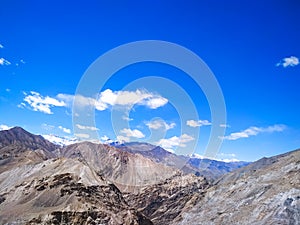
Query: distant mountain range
point(139, 183)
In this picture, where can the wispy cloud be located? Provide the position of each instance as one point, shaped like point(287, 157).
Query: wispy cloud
point(37, 102)
point(109, 98)
point(4, 62)
point(106, 99)
point(170, 143)
point(253, 131)
point(122, 138)
point(80, 135)
point(82, 127)
point(199, 123)
point(126, 118)
point(132, 133)
point(4, 127)
point(47, 127)
point(289, 62)
point(223, 157)
point(160, 124)
point(1, 46)
point(66, 130)
point(224, 125)
point(52, 127)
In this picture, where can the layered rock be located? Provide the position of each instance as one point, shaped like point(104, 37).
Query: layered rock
point(264, 192)
point(62, 191)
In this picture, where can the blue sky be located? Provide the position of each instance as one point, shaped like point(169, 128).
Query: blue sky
point(251, 47)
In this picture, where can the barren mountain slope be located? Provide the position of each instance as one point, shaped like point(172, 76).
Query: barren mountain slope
point(62, 191)
point(265, 192)
point(126, 170)
point(163, 202)
point(211, 169)
point(18, 146)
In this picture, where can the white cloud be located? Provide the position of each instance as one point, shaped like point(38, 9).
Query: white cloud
point(132, 133)
point(39, 103)
point(121, 138)
point(82, 127)
point(158, 124)
point(154, 103)
point(4, 62)
point(66, 130)
point(128, 98)
point(127, 118)
point(220, 157)
point(1, 46)
point(108, 98)
point(105, 100)
point(82, 135)
point(253, 131)
point(224, 125)
point(4, 127)
point(175, 141)
point(199, 123)
point(104, 138)
point(289, 61)
point(47, 127)
point(7, 90)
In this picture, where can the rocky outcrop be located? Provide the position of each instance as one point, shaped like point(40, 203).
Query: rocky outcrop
point(211, 169)
point(164, 202)
point(88, 183)
point(62, 191)
point(126, 170)
point(265, 192)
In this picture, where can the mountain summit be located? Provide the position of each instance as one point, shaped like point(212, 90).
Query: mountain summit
point(88, 183)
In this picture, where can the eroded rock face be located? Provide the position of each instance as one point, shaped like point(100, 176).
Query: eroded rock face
point(88, 183)
point(265, 192)
point(163, 202)
point(62, 191)
point(128, 171)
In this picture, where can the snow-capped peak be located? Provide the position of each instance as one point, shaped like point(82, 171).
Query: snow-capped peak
point(62, 141)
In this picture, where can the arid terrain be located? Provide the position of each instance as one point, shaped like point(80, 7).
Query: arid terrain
point(88, 183)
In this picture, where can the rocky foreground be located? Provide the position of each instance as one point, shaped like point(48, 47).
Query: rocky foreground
point(86, 183)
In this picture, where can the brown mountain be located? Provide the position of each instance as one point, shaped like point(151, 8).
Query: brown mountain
point(62, 191)
point(126, 170)
point(20, 138)
point(211, 169)
point(264, 192)
point(87, 183)
point(18, 146)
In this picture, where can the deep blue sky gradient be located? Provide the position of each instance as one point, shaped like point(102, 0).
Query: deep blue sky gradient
point(241, 42)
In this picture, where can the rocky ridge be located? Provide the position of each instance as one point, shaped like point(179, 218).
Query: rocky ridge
point(88, 183)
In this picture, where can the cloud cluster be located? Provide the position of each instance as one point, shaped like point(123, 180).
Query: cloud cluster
point(253, 131)
point(4, 127)
point(199, 123)
point(106, 99)
point(51, 128)
point(40, 103)
point(160, 124)
point(109, 98)
point(129, 133)
point(4, 62)
point(173, 142)
point(82, 127)
point(289, 62)
point(66, 130)
point(132, 133)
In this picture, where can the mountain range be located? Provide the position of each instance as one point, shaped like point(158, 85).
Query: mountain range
point(139, 183)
